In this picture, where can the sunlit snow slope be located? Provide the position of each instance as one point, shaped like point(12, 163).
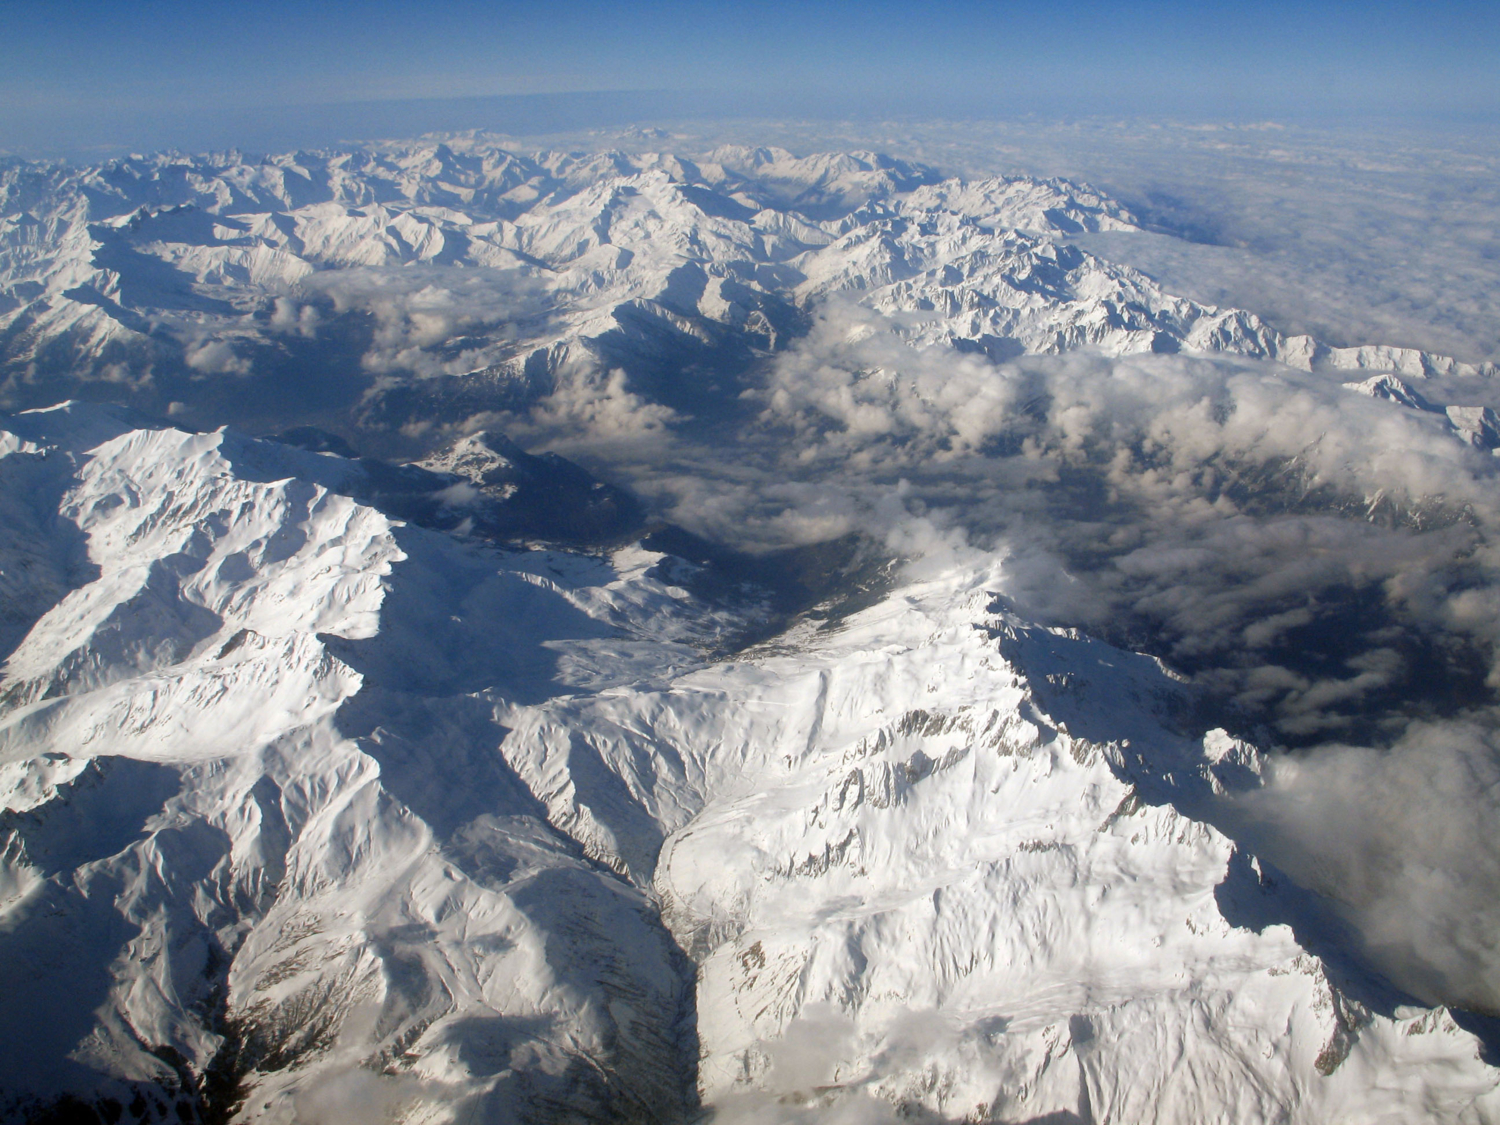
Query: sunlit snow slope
point(312, 815)
point(343, 790)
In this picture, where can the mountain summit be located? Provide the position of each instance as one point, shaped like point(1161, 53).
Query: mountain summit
point(393, 766)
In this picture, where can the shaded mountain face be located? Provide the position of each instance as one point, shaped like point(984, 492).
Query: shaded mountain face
point(486, 486)
point(673, 653)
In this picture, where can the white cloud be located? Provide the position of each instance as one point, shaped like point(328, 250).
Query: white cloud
point(216, 357)
point(428, 320)
point(1327, 562)
point(1402, 839)
point(1354, 237)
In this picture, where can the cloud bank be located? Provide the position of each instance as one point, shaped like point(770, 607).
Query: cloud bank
point(1322, 564)
point(1402, 839)
point(427, 320)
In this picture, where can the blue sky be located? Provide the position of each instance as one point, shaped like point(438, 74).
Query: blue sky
point(77, 74)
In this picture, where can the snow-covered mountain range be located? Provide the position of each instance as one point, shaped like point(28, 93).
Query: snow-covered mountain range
point(484, 278)
point(467, 789)
point(323, 811)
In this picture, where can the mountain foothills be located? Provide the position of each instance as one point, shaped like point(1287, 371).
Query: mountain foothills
point(454, 782)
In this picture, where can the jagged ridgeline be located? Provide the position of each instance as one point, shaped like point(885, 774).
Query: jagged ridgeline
point(402, 286)
point(388, 766)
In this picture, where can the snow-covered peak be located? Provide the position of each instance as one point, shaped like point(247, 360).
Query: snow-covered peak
point(516, 273)
point(326, 784)
point(1391, 389)
point(477, 456)
point(307, 807)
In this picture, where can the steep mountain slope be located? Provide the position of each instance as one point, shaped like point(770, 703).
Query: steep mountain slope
point(452, 783)
point(218, 862)
point(439, 281)
point(314, 815)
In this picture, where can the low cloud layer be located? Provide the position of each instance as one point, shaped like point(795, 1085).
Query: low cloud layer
point(427, 320)
point(1402, 839)
point(1215, 510)
point(1356, 237)
point(1322, 564)
point(1325, 566)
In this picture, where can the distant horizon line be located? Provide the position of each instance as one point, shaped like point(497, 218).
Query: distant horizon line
point(312, 126)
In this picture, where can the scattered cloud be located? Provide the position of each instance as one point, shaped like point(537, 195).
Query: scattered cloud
point(427, 320)
point(216, 357)
point(1326, 565)
point(1379, 236)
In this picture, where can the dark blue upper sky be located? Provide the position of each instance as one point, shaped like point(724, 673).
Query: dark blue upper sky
point(74, 75)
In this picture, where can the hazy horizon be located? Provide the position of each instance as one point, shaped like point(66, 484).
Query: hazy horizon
point(101, 79)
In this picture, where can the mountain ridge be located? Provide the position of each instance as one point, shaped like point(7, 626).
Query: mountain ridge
point(298, 858)
point(188, 276)
point(387, 767)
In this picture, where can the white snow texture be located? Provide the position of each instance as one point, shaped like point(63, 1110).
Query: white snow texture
point(314, 815)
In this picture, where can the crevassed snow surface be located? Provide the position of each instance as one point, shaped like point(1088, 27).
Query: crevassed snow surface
point(315, 816)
